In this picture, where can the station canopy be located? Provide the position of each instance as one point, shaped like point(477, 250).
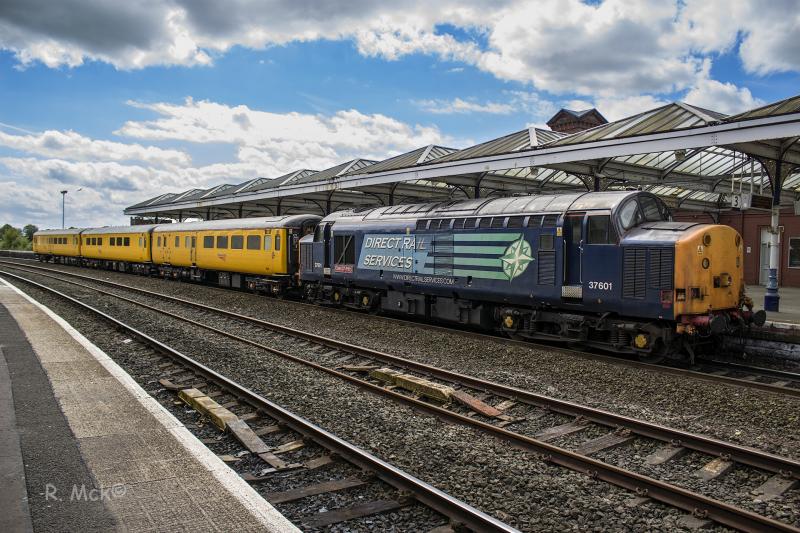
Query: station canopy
point(693, 158)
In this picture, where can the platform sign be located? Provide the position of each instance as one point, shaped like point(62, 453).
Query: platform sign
point(746, 201)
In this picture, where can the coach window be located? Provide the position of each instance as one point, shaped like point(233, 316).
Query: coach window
point(277, 243)
point(222, 241)
point(267, 243)
point(208, 241)
point(112, 241)
point(99, 241)
point(253, 242)
point(127, 241)
point(600, 230)
point(194, 242)
point(141, 241)
point(177, 241)
point(158, 241)
point(186, 241)
point(237, 242)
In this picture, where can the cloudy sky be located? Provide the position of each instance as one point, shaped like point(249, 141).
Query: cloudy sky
point(120, 101)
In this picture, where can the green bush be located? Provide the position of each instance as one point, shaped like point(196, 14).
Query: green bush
point(12, 238)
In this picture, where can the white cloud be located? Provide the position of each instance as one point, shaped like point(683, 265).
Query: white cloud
point(459, 106)
point(768, 31)
point(72, 145)
point(615, 48)
point(114, 175)
point(293, 139)
point(617, 108)
point(723, 97)
point(531, 104)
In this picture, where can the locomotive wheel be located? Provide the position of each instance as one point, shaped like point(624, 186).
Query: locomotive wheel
point(657, 355)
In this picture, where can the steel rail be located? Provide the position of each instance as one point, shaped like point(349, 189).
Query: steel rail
point(675, 496)
point(741, 454)
point(456, 510)
point(747, 369)
point(767, 387)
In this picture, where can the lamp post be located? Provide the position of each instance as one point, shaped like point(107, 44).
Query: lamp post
point(63, 197)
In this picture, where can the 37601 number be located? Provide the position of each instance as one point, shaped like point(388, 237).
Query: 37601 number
point(601, 285)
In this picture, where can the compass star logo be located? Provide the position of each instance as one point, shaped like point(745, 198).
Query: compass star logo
point(516, 258)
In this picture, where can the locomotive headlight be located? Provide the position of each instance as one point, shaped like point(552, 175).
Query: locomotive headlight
point(680, 295)
point(706, 263)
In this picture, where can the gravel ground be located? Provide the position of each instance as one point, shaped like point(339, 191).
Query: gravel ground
point(505, 482)
point(734, 488)
point(759, 419)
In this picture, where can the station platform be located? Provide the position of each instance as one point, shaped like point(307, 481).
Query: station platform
point(789, 305)
point(84, 448)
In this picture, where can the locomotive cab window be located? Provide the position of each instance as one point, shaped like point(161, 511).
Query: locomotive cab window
point(600, 230)
point(629, 214)
point(653, 209)
point(253, 242)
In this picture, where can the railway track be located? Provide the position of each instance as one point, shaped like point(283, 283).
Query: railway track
point(748, 376)
point(494, 408)
point(250, 417)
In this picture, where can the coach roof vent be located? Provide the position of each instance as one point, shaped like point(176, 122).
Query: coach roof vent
point(569, 121)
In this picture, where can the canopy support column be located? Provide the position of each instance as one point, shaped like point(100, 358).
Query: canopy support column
point(771, 297)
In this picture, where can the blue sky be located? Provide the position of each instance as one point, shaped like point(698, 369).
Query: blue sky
point(126, 102)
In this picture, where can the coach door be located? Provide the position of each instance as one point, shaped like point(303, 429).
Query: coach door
point(192, 248)
point(326, 239)
point(573, 256)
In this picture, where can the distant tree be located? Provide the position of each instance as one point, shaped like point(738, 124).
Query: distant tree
point(13, 239)
point(29, 230)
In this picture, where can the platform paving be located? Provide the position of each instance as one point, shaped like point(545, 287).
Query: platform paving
point(789, 304)
point(85, 448)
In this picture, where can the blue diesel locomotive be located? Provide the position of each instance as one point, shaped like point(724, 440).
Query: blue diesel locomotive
point(603, 269)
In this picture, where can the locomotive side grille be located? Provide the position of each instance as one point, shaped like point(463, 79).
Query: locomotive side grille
point(662, 261)
point(442, 248)
point(306, 257)
point(547, 267)
point(634, 263)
